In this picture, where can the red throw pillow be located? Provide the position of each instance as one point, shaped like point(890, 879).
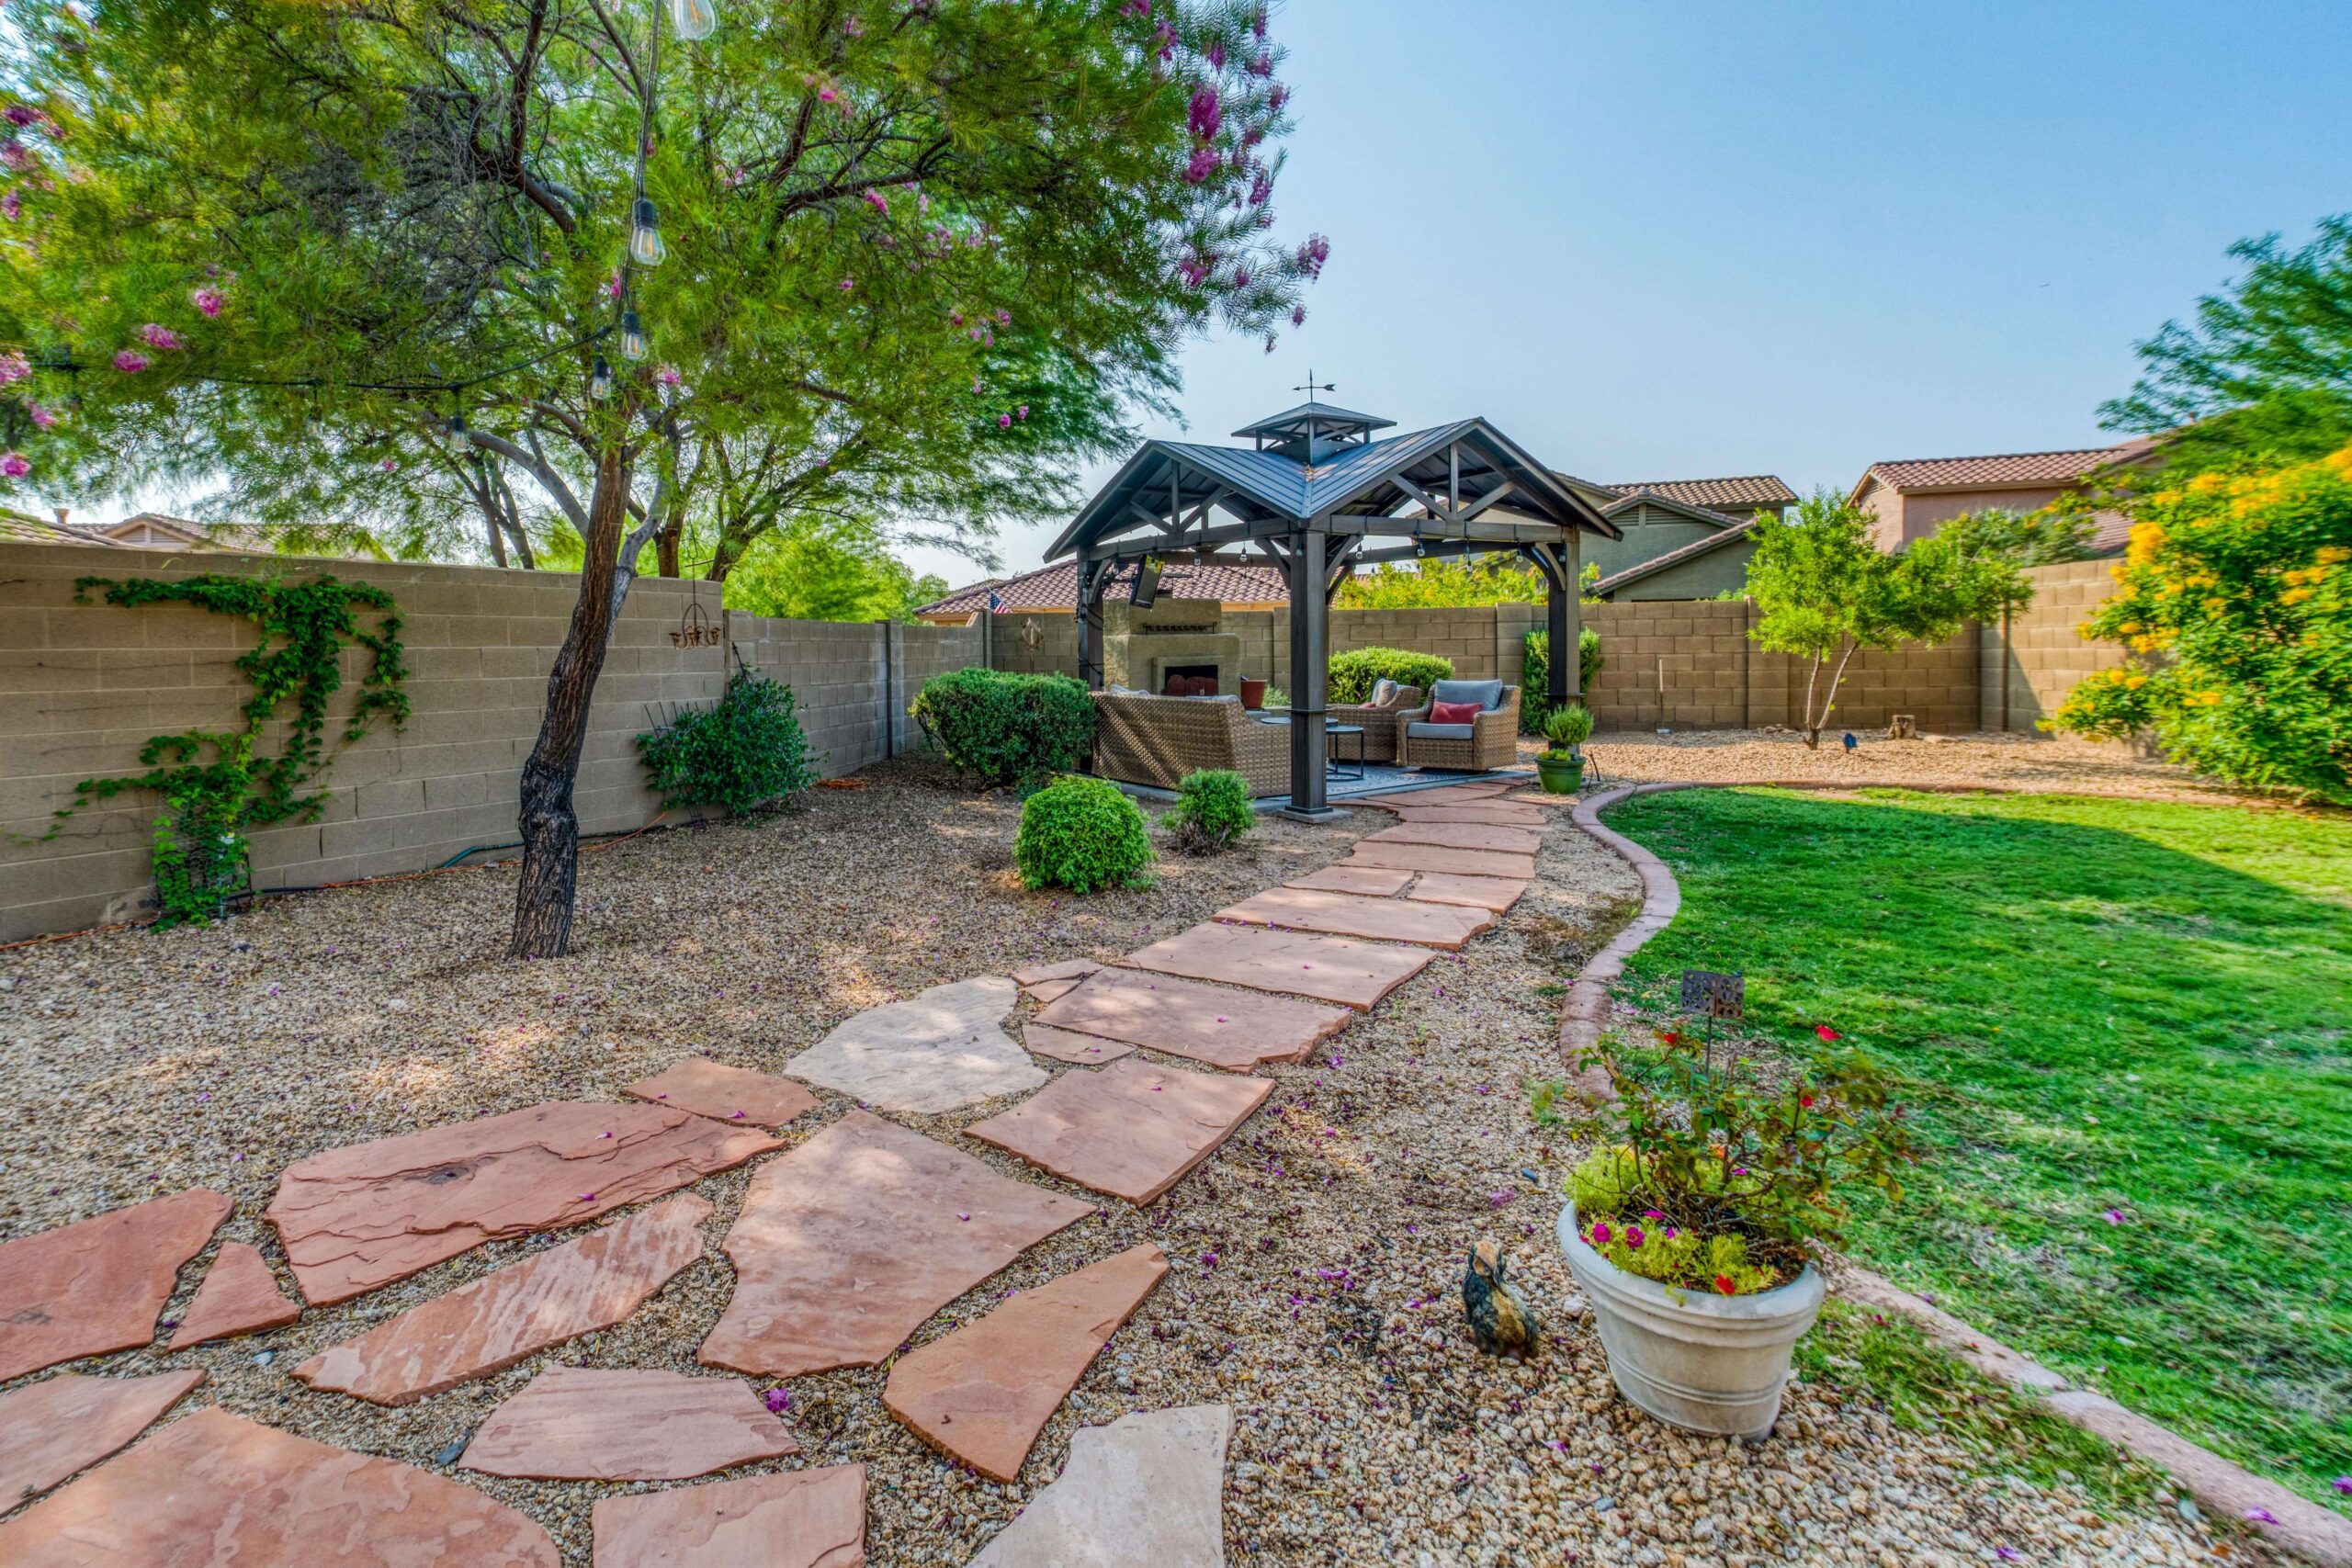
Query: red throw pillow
point(1452, 713)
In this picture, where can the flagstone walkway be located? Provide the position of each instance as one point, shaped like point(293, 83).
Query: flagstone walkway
point(843, 1247)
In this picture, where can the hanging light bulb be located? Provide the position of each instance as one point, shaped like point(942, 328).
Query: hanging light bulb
point(600, 380)
point(693, 19)
point(645, 234)
point(634, 346)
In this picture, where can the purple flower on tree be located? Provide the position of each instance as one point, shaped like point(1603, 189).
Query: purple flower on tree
point(1205, 115)
point(1262, 187)
point(42, 419)
point(16, 154)
point(1313, 251)
point(878, 201)
point(1277, 99)
point(1217, 55)
point(160, 337)
point(130, 361)
point(209, 302)
point(1005, 422)
point(14, 367)
point(22, 115)
point(1262, 65)
point(13, 466)
point(1204, 162)
point(13, 204)
point(1298, 315)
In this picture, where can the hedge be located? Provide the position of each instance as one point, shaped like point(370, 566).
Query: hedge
point(1081, 834)
point(1350, 675)
point(1535, 675)
point(1008, 729)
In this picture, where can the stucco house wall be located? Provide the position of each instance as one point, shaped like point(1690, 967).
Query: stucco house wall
point(1650, 532)
point(1905, 517)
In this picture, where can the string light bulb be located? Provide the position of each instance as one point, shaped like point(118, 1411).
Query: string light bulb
point(634, 346)
point(693, 20)
point(645, 247)
point(600, 380)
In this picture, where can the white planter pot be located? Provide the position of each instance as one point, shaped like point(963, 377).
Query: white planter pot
point(1711, 1363)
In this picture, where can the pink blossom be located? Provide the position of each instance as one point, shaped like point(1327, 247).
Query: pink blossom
point(160, 337)
point(1258, 22)
point(613, 285)
point(1242, 279)
point(14, 466)
point(667, 376)
point(1633, 1236)
point(14, 367)
point(1600, 1232)
point(1262, 187)
point(207, 301)
point(1313, 251)
point(1023, 412)
point(16, 154)
point(2113, 1216)
point(22, 115)
point(1298, 315)
point(2262, 1515)
point(777, 1401)
point(829, 94)
point(1005, 422)
point(1277, 99)
point(1004, 317)
point(1217, 60)
point(847, 284)
point(42, 419)
point(855, 27)
point(1135, 8)
point(13, 204)
point(130, 362)
point(1205, 114)
point(1204, 162)
point(390, 465)
point(877, 200)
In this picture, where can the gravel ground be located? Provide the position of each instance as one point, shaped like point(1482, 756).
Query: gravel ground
point(1317, 1259)
point(2016, 761)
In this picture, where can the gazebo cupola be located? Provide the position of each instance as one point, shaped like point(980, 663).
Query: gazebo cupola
point(1322, 491)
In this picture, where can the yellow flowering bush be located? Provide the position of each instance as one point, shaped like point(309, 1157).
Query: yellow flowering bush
point(2236, 592)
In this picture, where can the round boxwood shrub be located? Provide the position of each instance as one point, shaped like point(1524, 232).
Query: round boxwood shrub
point(1212, 810)
point(1008, 729)
point(1081, 834)
point(1350, 675)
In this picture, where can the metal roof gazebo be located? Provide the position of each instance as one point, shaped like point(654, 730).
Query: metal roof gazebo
point(1320, 495)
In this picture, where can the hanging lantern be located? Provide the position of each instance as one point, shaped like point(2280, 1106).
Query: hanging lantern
point(693, 20)
point(634, 346)
point(645, 246)
point(600, 380)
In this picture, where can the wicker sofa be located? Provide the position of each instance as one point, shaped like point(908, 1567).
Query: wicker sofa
point(1378, 719)
point(1490, 740)
point(1144, 739)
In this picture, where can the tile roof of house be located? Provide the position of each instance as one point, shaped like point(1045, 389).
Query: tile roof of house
point(2003, 468)
point(23, 528)
point(1690, 508)
point(1746, 489)
point(2111, 531)
point(1742, 528)
point(1055, 587)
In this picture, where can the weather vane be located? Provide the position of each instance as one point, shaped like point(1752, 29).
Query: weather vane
point(1312, 387)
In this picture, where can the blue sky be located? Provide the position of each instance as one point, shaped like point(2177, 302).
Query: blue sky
point(1661, 241)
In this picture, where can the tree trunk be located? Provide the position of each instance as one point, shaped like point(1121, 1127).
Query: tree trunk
point(550, 831)
point(1812, 731)
point(666, 543)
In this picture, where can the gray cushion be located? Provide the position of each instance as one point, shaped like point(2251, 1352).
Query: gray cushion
point(1487, 694)
point(1421, 729)
point(1384, 692)
point(1119, 691)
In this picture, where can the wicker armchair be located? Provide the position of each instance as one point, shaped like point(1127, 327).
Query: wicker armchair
point(1157, 740)
point(1379, 721)
point(1491, 741)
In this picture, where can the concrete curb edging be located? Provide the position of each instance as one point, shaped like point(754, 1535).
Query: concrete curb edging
point(2284, 1519)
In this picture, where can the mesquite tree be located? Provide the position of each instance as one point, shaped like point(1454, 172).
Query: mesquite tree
point(915, 238)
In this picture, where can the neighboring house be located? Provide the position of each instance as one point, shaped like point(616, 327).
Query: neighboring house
point(1913, 497)
point(23, 528)
point(1684, 538)
point(1055, 588)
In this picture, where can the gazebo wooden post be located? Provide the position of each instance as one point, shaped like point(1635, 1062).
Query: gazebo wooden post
point(1090, 622)
point(1567, 634)
point(1310, 640)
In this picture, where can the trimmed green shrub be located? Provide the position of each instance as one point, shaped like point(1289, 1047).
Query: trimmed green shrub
point(1081, 834)
point(1212, 810)
point(1351, 674)
point(1008, 729)
point(1535, 675)
point(1568, 728)
point(743, 753)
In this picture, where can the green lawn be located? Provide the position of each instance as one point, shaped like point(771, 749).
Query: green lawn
point(2097, 1005)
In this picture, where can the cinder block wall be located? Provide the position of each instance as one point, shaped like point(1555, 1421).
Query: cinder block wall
point(83, 687)
point(2024, 677)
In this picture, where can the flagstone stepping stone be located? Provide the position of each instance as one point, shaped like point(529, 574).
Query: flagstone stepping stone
point(1374, 881)
point(1452, 794)
point(1233, 1030)
point(1351, 914)
point(355, 1218)
point(239, 1296)
point(848, 1243)
point(1052, 990)
point(212, 1490)
point(724, 1093)
point(591, 1424)
point(1334, 968)
point(99, 1284)
point(1499, 815)
point(936, 1052)
point(70, 1421)
point(1068, 1045)
point(592, 1281)
point(1462, 836)
point(1146, 1488)
point(802, 1518)
point(1132, 1130)
point(982, 1394)
point(1440, 857)
point(1495, 892)
point(1045, 974)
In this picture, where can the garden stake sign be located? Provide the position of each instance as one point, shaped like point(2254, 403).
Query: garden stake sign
point(200, 848)
point(1710, 995)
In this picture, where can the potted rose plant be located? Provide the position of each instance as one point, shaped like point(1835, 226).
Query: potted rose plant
point(1560, 765)
point(1690, 1229)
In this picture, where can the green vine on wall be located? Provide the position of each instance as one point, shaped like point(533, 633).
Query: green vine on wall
point(200, 853)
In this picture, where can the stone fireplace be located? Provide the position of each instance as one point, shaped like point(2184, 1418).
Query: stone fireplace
point(1143, 647)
